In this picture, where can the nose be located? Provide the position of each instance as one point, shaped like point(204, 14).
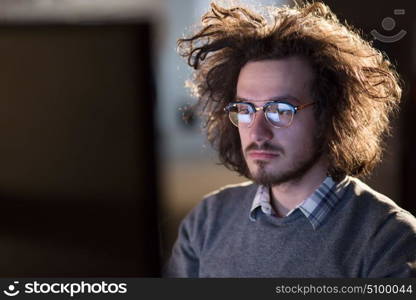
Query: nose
point(260, 130)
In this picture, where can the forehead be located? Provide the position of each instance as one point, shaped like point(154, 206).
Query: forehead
point(269, 79)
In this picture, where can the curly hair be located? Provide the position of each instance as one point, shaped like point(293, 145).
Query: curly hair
point(356, 88)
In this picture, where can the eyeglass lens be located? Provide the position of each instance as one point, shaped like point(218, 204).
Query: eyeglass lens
point(278, 114)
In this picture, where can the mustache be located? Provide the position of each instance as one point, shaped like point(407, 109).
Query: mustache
point(266, 146)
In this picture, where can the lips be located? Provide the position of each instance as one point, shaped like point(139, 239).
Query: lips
point(259, 154)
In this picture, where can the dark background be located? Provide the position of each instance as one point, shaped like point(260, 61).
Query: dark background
point(77, 176)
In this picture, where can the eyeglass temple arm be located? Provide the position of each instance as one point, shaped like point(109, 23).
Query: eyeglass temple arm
point(302, 106)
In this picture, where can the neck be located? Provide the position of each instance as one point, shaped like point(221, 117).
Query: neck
point(288, 195)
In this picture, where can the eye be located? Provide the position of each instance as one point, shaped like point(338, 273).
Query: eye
point(243, 110)
point(285, 111)
point(273, 109)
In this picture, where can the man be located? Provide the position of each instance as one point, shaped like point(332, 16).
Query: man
point(298, 105)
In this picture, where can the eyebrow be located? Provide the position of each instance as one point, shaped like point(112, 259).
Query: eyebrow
point(276, 98)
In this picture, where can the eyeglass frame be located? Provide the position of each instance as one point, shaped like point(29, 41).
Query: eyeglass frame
point(295, 108)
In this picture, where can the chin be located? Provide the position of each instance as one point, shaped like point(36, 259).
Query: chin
point(265, 175)
point(261, 166)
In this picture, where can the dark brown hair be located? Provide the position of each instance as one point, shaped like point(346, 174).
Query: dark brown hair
point(356, 88)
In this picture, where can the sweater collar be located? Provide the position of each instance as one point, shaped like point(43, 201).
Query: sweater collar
point(316, 208)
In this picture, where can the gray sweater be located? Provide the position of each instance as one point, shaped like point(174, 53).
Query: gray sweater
point(366, 235)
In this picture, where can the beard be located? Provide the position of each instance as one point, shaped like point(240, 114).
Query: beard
point(293, 173)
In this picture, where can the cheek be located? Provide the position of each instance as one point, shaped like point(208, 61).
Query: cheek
point(298, 138)
point(243, 137)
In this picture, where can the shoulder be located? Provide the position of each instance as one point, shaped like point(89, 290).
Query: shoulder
point(233, 197)
point(215, 210)
point(231, 192)
point(380, 209)
point(371, 197)
point(229, 197)
point(387, 231)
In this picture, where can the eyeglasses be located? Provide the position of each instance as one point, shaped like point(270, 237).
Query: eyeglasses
point(278, 113)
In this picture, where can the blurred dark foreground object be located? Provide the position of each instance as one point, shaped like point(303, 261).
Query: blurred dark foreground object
point(77, 177)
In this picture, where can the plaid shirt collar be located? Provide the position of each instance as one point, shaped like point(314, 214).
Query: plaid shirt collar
point(316, 207)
